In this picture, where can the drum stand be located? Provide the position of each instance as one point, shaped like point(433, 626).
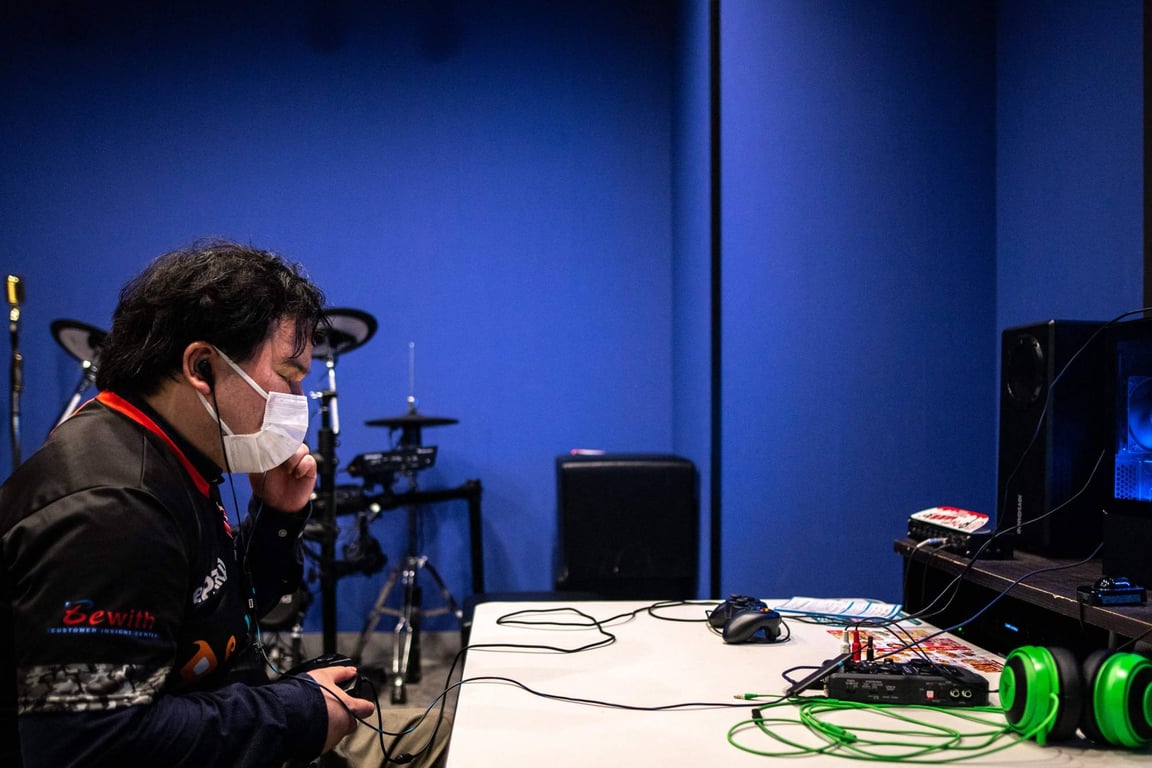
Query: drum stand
point(82, 342)
point(87, 379)
point(326, 460)
point(406, 645)
point(343, 330)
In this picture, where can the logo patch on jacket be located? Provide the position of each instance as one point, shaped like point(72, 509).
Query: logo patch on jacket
point(204, 660)
point(215, 579)
point(83, 617)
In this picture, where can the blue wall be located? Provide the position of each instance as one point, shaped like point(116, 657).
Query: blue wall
point(521, 188)
point(1069, 161)
point(902, 181)
point(859, 284)
point(491, 181)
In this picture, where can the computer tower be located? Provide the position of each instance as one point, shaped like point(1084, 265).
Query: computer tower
point(1055, 401)
point(1128, 503)
point(627, 526)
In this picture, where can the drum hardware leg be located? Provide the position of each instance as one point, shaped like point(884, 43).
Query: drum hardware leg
point(406, 661)
point(378, 610)
point(296, 642)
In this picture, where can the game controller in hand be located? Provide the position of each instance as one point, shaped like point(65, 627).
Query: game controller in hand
point(730, 607)
point(752, 625)
point(356, 687)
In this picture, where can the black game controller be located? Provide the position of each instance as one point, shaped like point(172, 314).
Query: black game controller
point(730, 607)
point(752, 625)
point(356, 687)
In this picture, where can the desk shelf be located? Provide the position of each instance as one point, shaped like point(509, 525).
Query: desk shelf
point(1047, 600)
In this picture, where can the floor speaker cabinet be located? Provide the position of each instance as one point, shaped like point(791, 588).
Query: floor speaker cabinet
point(1128, 503)
point(628, 526)
point(1055, 405)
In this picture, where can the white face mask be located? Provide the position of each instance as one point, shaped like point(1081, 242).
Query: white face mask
point(283, 431)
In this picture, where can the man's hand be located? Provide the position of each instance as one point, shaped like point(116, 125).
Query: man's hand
point(341, 706)
point(289, 486)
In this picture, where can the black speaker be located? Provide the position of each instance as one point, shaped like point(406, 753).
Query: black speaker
point(627, 526)
point(1055, 394)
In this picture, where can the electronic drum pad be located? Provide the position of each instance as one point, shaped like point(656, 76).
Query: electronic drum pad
point(343, 330)
point(80, 340)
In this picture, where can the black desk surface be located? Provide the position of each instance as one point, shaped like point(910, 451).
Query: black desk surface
point(1054, 590)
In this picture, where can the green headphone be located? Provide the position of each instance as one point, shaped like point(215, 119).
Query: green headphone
point(1048, 693)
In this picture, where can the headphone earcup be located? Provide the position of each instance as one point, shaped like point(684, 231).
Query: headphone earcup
point(1090, 723)
point(1119, 707)
point(1035, 680)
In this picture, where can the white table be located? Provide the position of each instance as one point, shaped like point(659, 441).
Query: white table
point(652, 663)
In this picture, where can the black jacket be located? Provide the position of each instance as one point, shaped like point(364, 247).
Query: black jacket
point(125, 608)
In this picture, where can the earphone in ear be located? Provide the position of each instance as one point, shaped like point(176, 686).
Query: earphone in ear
point(204, 368)
point(1107, 697)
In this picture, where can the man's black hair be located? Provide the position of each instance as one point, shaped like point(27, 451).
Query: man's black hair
point(230, 295)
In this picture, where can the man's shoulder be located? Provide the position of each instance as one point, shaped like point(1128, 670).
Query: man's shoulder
point(95, 451)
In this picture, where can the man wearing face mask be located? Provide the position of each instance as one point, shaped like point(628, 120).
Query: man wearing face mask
point(128, 599)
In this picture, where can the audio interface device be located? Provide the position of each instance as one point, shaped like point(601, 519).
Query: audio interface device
point(913, 682)
point(965, 533)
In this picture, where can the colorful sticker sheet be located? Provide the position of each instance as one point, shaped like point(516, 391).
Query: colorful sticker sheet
point(942, 648)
